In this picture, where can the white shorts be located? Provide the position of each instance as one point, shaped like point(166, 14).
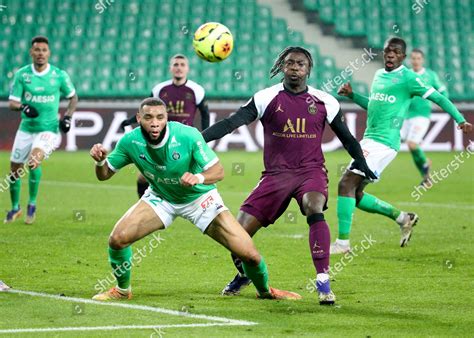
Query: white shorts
point(414, 129)
point(377, 155)
point(201, 212)
point(25, 142)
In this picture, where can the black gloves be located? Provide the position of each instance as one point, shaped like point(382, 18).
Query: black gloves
point(361, 164)
point(65, 123)
point(29, 110)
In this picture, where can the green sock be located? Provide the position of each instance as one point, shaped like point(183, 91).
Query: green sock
point(34, 181)
point(258, 275)
point(372, 204)
point(419, 158)
point(121, 262)
point(15, 189)
point(345, 211)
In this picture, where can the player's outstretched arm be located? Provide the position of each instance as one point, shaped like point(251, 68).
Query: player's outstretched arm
point(204, 110)
point(351, 145)
point(346, 90)
point(131, 120)
point(451, 109)
point(65, 123)
point(102, 170)
point(212, 175)
point(245, 115)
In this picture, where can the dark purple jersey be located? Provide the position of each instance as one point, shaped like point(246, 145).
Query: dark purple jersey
point(293, 126)
point(181, 101)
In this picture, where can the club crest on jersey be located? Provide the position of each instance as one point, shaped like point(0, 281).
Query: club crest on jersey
point(188, 96)
point(176, 156)
point(312, 109)
point(27, 78)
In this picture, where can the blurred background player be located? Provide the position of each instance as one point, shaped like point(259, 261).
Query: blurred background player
point(182, 97)
point(184, 186)
point(418, 118)
point(391, 92)
point(36, 91)
point(293, 115)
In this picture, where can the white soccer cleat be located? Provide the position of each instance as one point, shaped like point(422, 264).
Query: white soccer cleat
point(326, 298)
point(407, 228)
point(337, 248)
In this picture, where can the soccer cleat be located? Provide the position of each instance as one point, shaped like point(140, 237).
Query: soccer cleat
point(407, 228)
point(30, 214)
point(113, 294)
point(278, 294)
point(338, 248)
point(236, 285)
point(328, 298)
point(12, 215)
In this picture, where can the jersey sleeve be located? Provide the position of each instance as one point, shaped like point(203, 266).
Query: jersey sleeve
point(417, 87)
point(438, 85)
point(332, 107)
point(67, 88)
point(204, 156)
point(16, 89)
point(119, 157)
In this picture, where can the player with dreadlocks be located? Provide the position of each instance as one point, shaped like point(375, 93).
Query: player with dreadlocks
point(293, 116)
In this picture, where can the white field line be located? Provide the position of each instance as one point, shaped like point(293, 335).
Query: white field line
point(131, 187)
point(221, 321)
point(111, 328)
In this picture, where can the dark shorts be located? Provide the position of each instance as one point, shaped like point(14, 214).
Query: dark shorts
point(272, 195)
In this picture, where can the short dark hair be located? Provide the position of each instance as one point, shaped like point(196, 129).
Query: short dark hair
point(398, 41)
point(152, 101)
point(419, 51)
point(39, 38)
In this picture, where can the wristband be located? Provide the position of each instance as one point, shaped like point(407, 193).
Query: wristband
point(100, 164)
point(200, 178)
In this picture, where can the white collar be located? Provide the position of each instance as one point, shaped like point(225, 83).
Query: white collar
point(163, 141)
point(44, 72)
point(422, 71)
point(395, 70)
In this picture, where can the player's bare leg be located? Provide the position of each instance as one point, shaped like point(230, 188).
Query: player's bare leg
point(240, 281)
point(319, 243)
point(227, 231)
point(16, 172)
point(139, 221)
point(35, 172)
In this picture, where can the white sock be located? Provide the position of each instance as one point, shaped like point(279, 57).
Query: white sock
point(322, 277)
point(343, 242)
point(127, 290)
point(401, 218)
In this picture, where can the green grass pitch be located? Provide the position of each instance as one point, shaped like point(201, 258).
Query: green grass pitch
point(422, 290)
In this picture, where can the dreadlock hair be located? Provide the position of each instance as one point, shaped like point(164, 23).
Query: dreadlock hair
point(278, 64)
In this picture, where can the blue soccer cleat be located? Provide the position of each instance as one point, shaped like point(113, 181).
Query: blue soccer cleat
point(12, 215)
point(236, 285)
point(30, 214)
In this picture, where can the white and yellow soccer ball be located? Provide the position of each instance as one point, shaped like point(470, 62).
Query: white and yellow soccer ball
point(213, 42)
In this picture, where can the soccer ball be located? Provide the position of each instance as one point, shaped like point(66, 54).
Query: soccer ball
point(213, 42)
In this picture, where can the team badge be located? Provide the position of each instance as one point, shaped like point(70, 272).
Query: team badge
point(312, 109)
point(27, 78)
point(176, 155)
point(188, 96)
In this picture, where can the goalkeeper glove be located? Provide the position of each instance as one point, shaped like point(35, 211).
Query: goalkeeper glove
point(29, 111)
point(65, 124)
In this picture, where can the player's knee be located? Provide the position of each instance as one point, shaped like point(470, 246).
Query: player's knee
point(251, 257)
point(118, 240)
point(412, 145)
